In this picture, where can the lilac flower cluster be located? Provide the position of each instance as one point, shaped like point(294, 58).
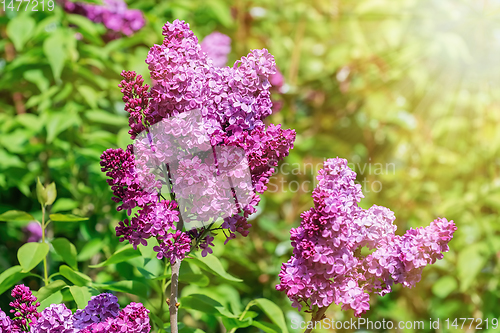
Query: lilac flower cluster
point(114, 14)
point(5, 323)
point(233, 102)
point(327, 266)
point(101, 315)
point(131, 319)
point(217, 46)
point(56, 318)
point(98, 309)
point(24, 308)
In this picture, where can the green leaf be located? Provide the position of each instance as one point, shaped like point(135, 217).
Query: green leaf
point(131, 287)
point(66, 250)
point(444, 286)
point(123, 254)
point(89, 95)
point(90, 249)
point(205, 304)
point(103, 117)
point(55, 298)
point(20, 29)
point(221, 11)
point(11, 276)
point(55, 52)
point(36, 76)
point(31, 254)
point(63, 204)
point(266, 327)
point(58, 122)
point(50, 289)
point(230, 323)
point(273, 312)
point(16, 215)
point(470, 262)
point(197, 279)
point(51, 193)
point(66, 218)
point(82, 295)
point(84, 23)
point(41, 193)
point(211, 263)
point(75, 277)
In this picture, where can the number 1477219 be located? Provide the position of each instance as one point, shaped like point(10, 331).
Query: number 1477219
point(27, 5)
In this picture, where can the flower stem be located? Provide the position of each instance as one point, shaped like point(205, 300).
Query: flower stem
point(316, 316)
point(173, 296)
point(45, 274)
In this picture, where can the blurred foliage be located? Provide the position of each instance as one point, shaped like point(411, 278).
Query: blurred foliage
point(406, 90)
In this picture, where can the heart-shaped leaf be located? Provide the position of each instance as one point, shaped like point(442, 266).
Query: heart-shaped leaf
point(66, 250)
point(31, 254)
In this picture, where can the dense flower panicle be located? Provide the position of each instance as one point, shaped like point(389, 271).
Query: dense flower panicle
point(34, 232)
point(135, 96)
point(203, 160)
point(132, 319)
point(99, 308)
point(327, 266)
point(5, 323)
point(24, 308)
point(57, 318)
point(114, 14)
point(217, 46)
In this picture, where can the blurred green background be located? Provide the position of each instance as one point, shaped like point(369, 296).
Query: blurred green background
point(406, 90)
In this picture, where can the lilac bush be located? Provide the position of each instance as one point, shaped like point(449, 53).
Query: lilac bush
point(327, 265)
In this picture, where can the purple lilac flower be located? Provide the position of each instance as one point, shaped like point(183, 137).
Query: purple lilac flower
point(217, 46)
point(24, 308)
point(57, 318)
point(33, 231)
point(114, 14)
point(233, 102)
point(132, 319)
point(327, 267)
point(99, 308)
point(5, 323)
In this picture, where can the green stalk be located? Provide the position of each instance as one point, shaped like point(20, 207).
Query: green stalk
point(45, 271)
point(249, 305)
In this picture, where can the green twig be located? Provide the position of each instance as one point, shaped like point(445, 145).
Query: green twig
point(45, 271)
